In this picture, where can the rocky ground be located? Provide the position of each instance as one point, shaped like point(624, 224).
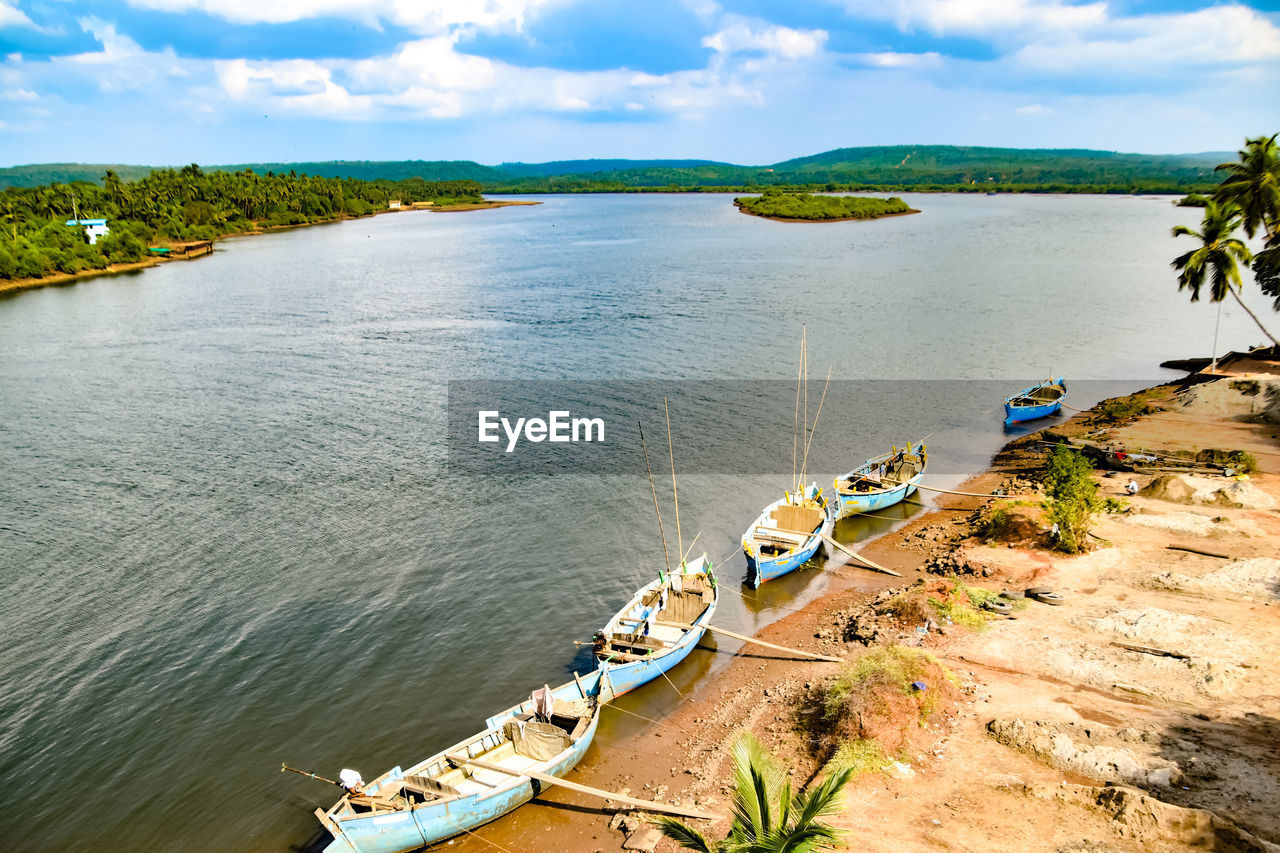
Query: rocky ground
point(1140, 713)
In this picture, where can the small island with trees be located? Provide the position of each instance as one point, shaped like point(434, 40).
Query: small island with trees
point(804, 207)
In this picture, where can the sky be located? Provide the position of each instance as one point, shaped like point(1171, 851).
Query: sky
point(163, 82)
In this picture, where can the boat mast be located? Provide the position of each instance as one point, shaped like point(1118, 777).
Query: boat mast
point(675, 494)
point(661, 529)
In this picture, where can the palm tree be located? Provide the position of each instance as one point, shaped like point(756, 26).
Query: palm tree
point(1218, 258)
point(766, 817)
point(1253, 184)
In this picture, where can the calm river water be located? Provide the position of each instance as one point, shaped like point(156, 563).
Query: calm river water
point(228, 536)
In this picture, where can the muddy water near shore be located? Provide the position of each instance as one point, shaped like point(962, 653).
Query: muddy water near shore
point(228, 535)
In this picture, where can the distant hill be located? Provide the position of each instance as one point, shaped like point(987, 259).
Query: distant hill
point(950, 164)
point(889, 167)
point(374, 170)
point(365, 170)
point(40, 174)
point(584, 167)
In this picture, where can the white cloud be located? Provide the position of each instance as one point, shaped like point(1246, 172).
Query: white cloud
point(428, 78)
point(1217, 36)
point(889, 59)
point(783, 42)
point(12, 16)
point(980, 17)
point(18, 95)
point(420, 16)
point(1034, 110)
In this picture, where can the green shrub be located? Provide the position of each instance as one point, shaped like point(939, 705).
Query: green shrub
point(1071, 497)
point(858, 757)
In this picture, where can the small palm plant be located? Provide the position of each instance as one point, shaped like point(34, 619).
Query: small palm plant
point(767, 818)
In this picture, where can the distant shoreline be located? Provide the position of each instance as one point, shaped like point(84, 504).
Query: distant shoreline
point(19, 285)
point(487, 204)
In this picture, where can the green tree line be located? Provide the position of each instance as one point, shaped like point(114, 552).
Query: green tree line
point(776, 204)
point(176, 205)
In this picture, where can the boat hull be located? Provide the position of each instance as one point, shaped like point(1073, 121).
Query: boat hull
point(1018, 414)
point(428, 823)
point(763, 569)
point(625, 676)
point(628, 676)
point(1014, 415)
point(855, 504)
point(860, 502)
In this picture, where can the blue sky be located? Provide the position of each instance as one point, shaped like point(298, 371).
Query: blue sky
point(748, 81)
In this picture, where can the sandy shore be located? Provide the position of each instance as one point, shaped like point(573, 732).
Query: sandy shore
point(487, 204)
point(1060, 740)
point(19, 284)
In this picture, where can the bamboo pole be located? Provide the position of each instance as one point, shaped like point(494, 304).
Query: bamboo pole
point(284, 767)
point(1191, 550)
point(804, 462)
point(857, 556)
point(746, 639)
point(835, 544)
point(953, 492)
point(661, 529)
point(648, 805)
point(675, 493)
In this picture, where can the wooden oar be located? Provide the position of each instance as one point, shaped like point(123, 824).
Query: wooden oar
point(648, 805)
point(833, 543)
point(746, 639)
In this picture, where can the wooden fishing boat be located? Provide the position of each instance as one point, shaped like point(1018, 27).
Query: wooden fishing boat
point(442, 796)
point(787, 534)
point(1038, 401)
point(638, 646)
point(881, 481)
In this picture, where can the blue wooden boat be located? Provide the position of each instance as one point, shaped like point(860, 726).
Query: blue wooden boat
point(636, 648)
point(787, 534)
point(881, 481)
point(438, 798)
point(1038, 401)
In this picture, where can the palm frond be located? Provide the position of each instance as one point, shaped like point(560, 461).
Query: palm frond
point(682, 834)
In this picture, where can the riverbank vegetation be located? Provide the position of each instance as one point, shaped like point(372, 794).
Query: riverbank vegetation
point(171, 206)
point(776, 204)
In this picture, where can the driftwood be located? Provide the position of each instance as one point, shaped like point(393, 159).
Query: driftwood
point(647, 805)
point(1191, 550)
point(1151, 650)
point(747, 639)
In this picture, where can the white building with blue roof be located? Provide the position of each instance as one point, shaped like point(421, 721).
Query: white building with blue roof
point(93, 228)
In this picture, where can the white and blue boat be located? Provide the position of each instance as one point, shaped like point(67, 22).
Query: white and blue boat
point(787, 534)
point(881, 481)
point(441, 797)
point(1038, 401)
point(649, 635)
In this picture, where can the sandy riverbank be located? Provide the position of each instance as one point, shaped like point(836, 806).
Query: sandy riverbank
point(1060, 740)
